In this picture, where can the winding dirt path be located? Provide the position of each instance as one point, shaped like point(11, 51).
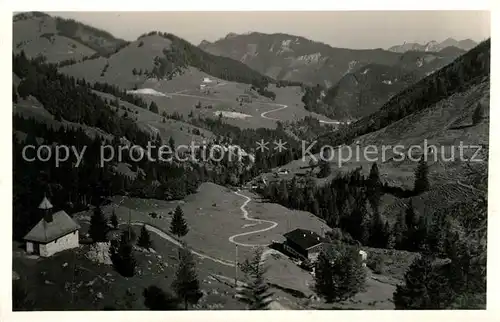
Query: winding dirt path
point(174, 241)
point(247, 217)
point(164, 235)
point(281, 107)
point(274, 305)
point(263, 114)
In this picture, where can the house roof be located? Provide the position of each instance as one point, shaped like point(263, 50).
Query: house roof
point(304, 238)
point(45, 204)
point(45, 232)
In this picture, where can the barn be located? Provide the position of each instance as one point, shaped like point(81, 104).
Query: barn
point(55, 232)
point(244, 98)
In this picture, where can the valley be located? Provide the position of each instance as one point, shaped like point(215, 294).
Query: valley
point(305, 228)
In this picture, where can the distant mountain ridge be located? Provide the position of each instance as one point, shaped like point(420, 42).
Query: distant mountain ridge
point(86, 52)
point(466, 44)
point(288, 57)
point(58, 39)
point(364, 90)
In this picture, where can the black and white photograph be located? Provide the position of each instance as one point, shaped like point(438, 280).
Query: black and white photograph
point(249, 160)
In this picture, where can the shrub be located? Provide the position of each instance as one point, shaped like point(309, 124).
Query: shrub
point(376, 263)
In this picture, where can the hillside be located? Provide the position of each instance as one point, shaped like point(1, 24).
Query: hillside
point(467, 70)
point(161, 56)
point(466, 44)
point(440, 125)
point(83, 51)
point(365, 90)
point(288, 57)
point(60, 40)
point(438, 111)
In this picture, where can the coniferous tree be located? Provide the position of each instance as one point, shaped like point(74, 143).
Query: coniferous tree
point(186, 284)
point(157, 299)
point(399, 231)
point(178, 225)
point(467, 272)
point(14, 94)
point(171, 143)
point(21, 300)
point(339, 276)
point(478, 114)
point(424, 287)
point(378, 232)
point(128, 299)
point(114, 220)
point(391, 241)
point(144, 240)
point(98, 226)
point(420, 235)
point(410, 236)
point(255, 291)
point(283, 191)
point(324, 169)
point(357, 223)
point(421, 173)
point(153, 107)
point(438, 234)
point(324, 279)
point(374, 188)
point(122, 257)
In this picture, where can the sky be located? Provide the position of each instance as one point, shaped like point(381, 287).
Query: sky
point(348, 29)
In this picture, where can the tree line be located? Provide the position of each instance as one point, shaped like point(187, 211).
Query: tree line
point(71, 100)
point(72, 187)
point(183, 54)
point(350, 203)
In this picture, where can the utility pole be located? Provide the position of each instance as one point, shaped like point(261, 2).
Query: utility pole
point(236, 269)
point(129, 222)
point(73, 288)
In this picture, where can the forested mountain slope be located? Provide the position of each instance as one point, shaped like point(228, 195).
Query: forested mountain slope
point(60, 40)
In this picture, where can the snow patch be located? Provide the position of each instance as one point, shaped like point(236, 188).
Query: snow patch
point(351, 66)
point(233, 115)
point(335, 122)
point(285, 43)
point(310, 58)
point(429, 73)
point(146, 91)
point(388, 82)
point(365, 71)
point(432, 46)
point(285, 46)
